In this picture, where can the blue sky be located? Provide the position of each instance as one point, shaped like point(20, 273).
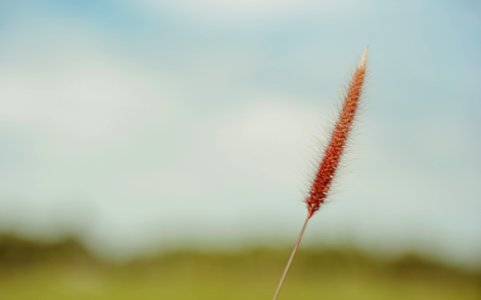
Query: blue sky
point(140, 124)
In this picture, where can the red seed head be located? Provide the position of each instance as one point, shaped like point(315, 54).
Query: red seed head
point(332, 155)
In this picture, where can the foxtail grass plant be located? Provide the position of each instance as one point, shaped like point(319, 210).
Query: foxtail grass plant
point(331, 158)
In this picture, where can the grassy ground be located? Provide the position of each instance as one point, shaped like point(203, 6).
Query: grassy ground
point(69, 274)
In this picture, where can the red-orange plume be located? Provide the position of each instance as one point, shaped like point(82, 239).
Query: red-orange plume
point(332, 155)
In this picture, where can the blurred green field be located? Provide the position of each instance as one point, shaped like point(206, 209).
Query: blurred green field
point(65, 271)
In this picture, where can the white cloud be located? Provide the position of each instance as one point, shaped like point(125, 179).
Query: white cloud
point(78, 95)
point(267, 139)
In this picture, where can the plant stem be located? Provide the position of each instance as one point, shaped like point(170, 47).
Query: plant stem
point(291, 258)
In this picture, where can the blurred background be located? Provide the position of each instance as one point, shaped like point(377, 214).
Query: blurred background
point(162, 149)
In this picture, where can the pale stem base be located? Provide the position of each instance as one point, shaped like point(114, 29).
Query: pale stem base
point(291, 258)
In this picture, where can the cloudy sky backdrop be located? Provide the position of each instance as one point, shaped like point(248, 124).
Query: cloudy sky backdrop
point(151, 124)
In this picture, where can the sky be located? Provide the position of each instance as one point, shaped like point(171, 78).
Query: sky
point(139, 125)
